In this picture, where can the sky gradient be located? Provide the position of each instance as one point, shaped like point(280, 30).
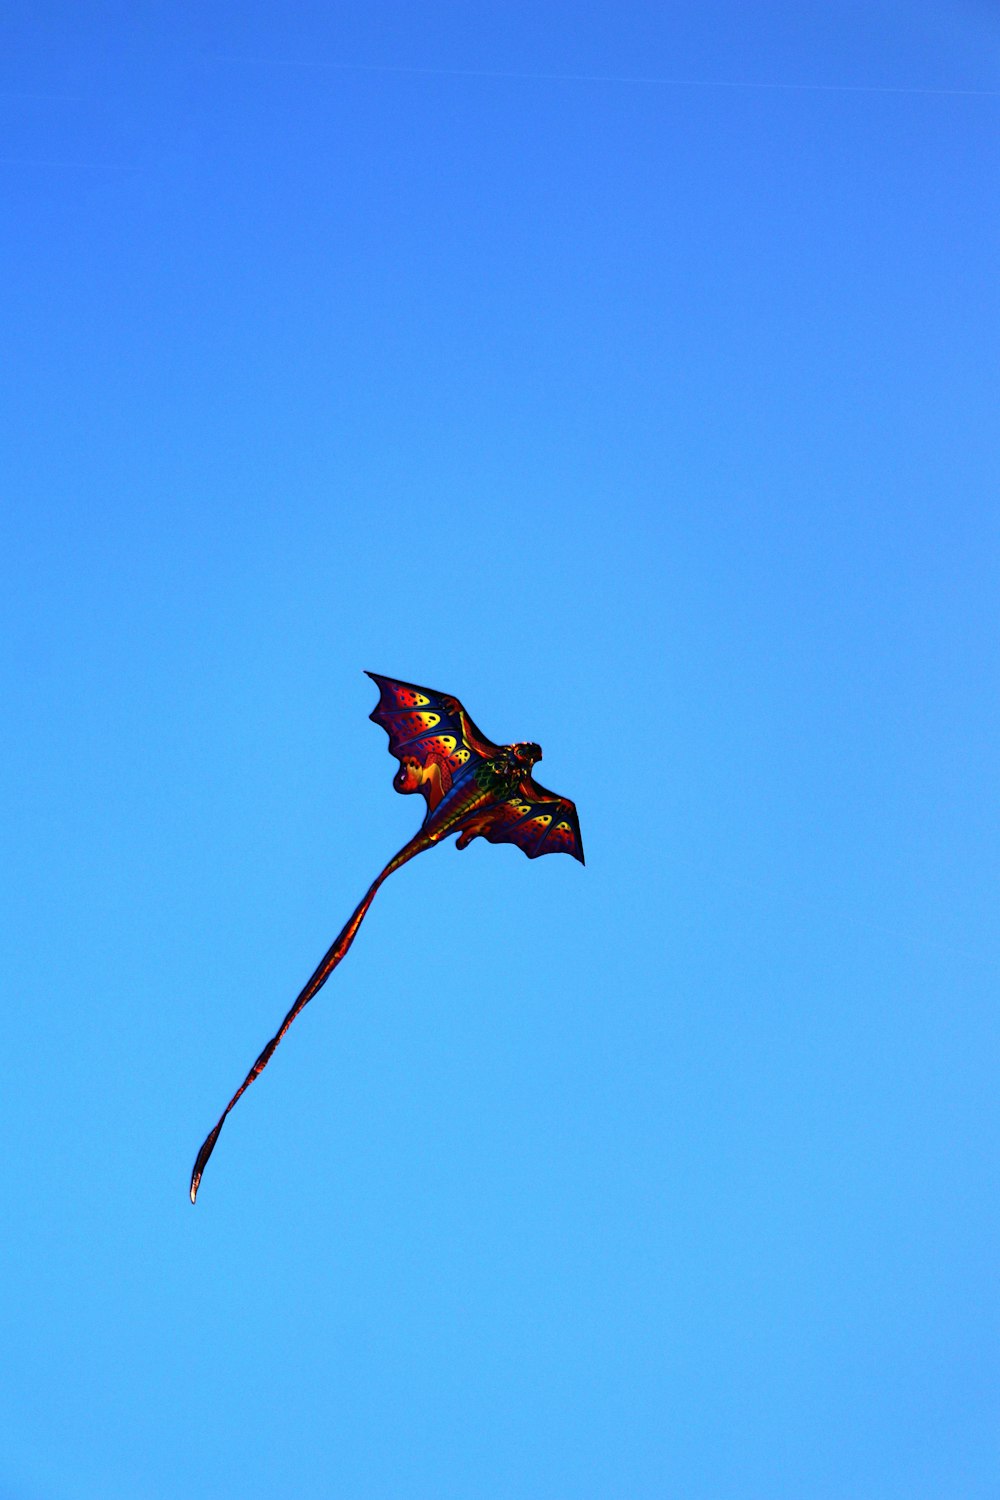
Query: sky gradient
point(631, 373)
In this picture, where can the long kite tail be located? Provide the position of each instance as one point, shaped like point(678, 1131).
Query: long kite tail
point(327, 965)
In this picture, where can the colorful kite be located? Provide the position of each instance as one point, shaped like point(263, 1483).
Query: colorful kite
point(472, 787)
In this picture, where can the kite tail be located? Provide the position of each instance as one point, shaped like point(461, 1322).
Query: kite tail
point(327, 965)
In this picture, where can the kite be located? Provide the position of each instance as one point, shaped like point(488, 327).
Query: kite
point(472, 787)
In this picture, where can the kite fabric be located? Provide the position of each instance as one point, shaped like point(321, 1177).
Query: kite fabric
point(472, 788)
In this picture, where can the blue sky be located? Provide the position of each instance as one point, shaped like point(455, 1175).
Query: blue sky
point(629, 372)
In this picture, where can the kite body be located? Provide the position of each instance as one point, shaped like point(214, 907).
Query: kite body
point(472, 787)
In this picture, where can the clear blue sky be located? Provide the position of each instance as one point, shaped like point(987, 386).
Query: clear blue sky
point(537, 353)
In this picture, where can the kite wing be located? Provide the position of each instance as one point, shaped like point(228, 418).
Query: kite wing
point(535, 819)
point(431, 736)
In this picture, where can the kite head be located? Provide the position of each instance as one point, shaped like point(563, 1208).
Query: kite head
point(527, 753)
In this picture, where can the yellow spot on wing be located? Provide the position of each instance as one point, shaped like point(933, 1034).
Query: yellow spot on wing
point(408, 698)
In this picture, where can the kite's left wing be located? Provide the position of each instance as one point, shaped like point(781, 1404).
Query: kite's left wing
point(431, 736)
point(535, 819)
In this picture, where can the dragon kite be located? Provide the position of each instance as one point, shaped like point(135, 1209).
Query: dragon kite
point(472, 787)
